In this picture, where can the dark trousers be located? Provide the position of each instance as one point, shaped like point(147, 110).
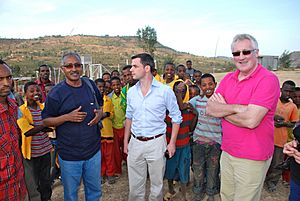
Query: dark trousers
point(273, 174)
point(206, 167)
point(37, 178)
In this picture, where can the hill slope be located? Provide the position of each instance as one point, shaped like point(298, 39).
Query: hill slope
point(25, 55)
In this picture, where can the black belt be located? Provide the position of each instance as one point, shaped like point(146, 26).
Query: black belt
point(141, 138)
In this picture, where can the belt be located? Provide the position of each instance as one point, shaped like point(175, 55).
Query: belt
point(141, 138)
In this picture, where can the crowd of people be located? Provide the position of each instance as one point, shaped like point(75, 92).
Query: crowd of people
point(235, 138)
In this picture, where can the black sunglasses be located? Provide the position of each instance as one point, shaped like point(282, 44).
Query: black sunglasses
point(70, 65)
point(245, 52)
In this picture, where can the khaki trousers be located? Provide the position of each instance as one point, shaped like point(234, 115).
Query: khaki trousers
point(143, 155)
point(242, 179)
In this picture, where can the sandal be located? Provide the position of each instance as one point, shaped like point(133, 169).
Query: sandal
point(168, 196)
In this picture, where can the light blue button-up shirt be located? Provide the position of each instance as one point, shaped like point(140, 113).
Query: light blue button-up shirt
point(148, 113)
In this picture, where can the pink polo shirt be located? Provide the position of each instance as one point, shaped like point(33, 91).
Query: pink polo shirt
point(260, 88)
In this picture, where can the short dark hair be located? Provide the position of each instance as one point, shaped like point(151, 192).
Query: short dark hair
point(28, 84)
point(189, 61)
point(197, 71)
point(99, 80)
point(106, 73)
point(3, 62)
point(113, 72)
point(195, 87)
point(126, 67)
point(297, 88)
point(146, 59)
point(169, 63)
point(179, 66)
point(206, 75)
point(115, 78)
point(289, 82)
point(43, 65)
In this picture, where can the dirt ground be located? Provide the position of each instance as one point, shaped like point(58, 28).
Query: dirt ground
point(119, 190)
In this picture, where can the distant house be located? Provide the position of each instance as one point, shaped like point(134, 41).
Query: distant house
point(295, 59)
point(269, 62)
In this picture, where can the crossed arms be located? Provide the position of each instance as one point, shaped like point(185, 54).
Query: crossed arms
point(248, 116)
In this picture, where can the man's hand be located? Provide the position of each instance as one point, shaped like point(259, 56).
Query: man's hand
point(171, 149)
point(216, 97)
point(76, 115)
point(97, 118)
point(125, 147)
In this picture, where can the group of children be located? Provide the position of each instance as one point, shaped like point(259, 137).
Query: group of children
point(199, 136)
point(198, 142)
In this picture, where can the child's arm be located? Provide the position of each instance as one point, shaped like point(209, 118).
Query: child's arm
point(195, 119)
point(37, 129)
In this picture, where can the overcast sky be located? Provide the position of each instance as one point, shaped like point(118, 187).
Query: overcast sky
point(198, 27)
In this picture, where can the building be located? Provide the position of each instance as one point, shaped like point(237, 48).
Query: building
point(269, 62)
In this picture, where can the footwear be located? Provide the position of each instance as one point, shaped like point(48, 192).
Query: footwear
point(271, 187)
point(103, 180)
point(111, 179)
point(168, 196)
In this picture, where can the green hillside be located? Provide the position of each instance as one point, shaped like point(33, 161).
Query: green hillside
point(25, 55)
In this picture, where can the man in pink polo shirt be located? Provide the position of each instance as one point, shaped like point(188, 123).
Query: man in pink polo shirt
point(246, 100)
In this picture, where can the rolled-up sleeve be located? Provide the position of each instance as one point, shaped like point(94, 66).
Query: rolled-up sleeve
point(172, 106)
point(129, 108)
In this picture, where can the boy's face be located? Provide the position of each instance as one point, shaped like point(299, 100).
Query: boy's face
point(108, 88)
point(296, 98)
point(193, 92)
point(287, 92)
point(197, 77)
point(116, 86)
point(33, 93)
point(100, 86)
point(181, 89)
point(169, 72)
point(208, 86)
point(106, 77)
point(181, 72)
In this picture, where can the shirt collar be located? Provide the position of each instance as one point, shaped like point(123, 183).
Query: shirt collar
point(11, 104)
point(258, 68)
point(154, 83)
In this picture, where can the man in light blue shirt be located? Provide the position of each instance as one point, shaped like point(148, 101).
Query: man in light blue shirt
point(147, 103)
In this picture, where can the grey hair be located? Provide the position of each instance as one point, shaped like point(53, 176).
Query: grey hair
point(241, 37)
point(70, 54)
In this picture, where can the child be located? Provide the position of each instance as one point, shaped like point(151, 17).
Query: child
point(36, 145)
point(196, 78)
point(285, 116)
point(194, 91)
point(179, 164)
point(107, 136)
point(206, 149)
point(169, 74)
point(181, 71)
point(118, 125)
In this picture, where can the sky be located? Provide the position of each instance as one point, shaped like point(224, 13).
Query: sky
point(203, 28)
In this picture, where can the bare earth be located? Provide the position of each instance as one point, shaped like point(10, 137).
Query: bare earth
point(119, 190)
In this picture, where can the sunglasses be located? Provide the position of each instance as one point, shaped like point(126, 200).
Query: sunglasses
point(245, 52)
point(70, 65)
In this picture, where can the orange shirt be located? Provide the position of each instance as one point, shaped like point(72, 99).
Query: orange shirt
point(289, 112)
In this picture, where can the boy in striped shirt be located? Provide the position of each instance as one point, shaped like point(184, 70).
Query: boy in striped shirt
point(36, 145)
point(207, 147)
point(178, 167)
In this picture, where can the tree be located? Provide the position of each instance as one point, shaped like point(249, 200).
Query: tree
point(147, 38)
point(285, 59)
